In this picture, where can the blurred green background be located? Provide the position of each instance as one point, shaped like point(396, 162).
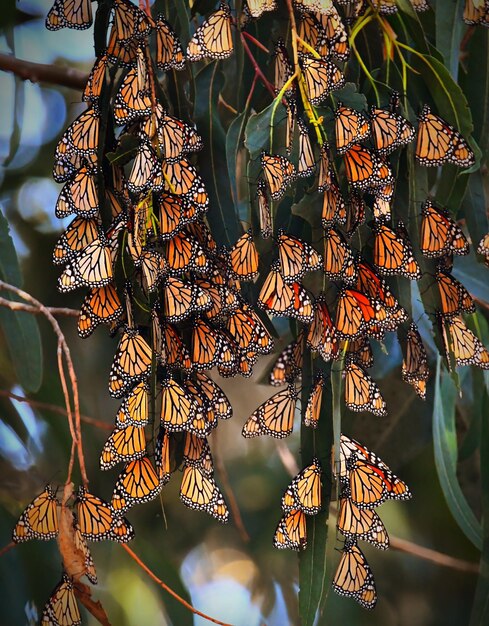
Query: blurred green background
point(245, 583)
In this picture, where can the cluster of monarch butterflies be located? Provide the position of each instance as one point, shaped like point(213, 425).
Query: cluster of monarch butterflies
point(140, 244)
point(365, 482)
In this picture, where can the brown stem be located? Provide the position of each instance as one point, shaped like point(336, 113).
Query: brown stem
point(256, 67)
point(54, 409)
point(428, 554)
point(7, 548)
point(41, 73)
point(164, 586)
point(20, 306)
point(63, 349)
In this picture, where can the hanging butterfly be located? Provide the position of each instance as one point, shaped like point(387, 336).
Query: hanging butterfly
point(205, 418)
point(355, 213)
point(439, 143)
point(389, 130)
point(183, 253)
point(200, 492)
point(354, 578)
point(136, 484)
point(283, 70)
point(334, 207)
point(393, 253)
point(248, 331)
point(321, 336)
point(280, 298)
point(381, 207)
point(279, 173)
point(39, 520)
point(169, 53)
point(130, 21)
point(61, 608)
point(313, 407)
point(304, 492)
point(264, 214)
point(415, 362)
point(296, 257)
point(357, 314)
point(243, 257)
point(372, 285)
point(75, 14)
point(213, 38)
point(134, 409)
point(361, 392)
point(461, 344)
point(321, 77)
point(123, 445)
point(197, 453)
point(291, 531)
point(133, 98)
point(351, 127)
point(365, 168)
point(275, 417)
point(97, 522)
point(361, 524)
point(77, 236)
point(307, 162)
point(88, 564)
point(144, 169)
point(177, 407)
point(92, 267)
point(132, 362)
point(181, 299)
point(101, 306)
point(122, 54)
point(338, 257)
point(476, 12)
point(454, 296)
point(211, 347)
point(288, 366)
point(95, 82)
point(173, 215)
point(256, 8)
point(79, 196)
point(326, 173)
point(439, 233)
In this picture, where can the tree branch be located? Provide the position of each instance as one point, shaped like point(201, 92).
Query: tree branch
point(41, 73)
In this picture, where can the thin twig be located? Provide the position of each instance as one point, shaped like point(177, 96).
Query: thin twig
point(54, 409)
point(427, 554)
point(41, 73)
point(20, 306)
point(257, 68)
point(62, 347)
point(150, 573)
point(7, 548)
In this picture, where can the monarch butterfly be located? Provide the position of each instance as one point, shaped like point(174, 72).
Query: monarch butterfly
point(313, 6)
point(321, 77)
point(95, 81)
point(389, 130)
point(172, 215)
point(381, 207)
point(173, 351)
point(351, 127)
point(326, 174)
point(280, 298)
point(248, 331)
point(181, 178)
point(275, 417)
point(203, 235)
point(325, 33)
point(356, 314)
point(355, 213)
point(321, 336)
point(361, 392)
point(40, 518)
point(97, 522)
point(169, 53)
point(215, 396)
point(415, 363)
point(153, 267)
point(244, 257)
point(385, 6)
point(439, 143)
point(77, 236)
point(296, 257)
point(453, 295)
point(279, 173)
point(134, 409)
point(461, 342)
point(476, 13)
point(364, 524)
point(79, 196)
point(224, 300)
point(370, 484)
point(120, 53)
point(143, 169)
point(354, 578)
point(137, 483)
point(420, 5)
point(75, 14)
point(338, 257)
point(177, 408)
point(307, 162)
point(123, 445)
point(304, 492)
point(101, 306)
point(181, 299)
point(256, 8)
point(312, 33)
point(291, 531)
point(213, 38)
point(366, 169)
point(263, 210)
point(439, 233)
point(200, 492)
point(130, 22)
point(313, 407)
point(372, 285)
point(288, 365)
point(92, 267)
point(61, 608)
point(132, 362)
point(197, 453)
point(67, 162)
point(393, 253)
point(88, 564)
point(334, 208)
point(184, 253)
point(205, 418)
point(133, 98)
point(211, 347)
point(483, 247)
point(82, 134)
point(283, 71)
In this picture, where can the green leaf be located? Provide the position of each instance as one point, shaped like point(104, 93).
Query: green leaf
point(222, 216)
point(449, 28)
point(126, 150)
point(257, 133)
point(313, 578)
point(475, 84)
point(350, 97)
point(480, 607)
point(233, 142)
point(470, 273)
point(445, 448)
point(20, 329)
